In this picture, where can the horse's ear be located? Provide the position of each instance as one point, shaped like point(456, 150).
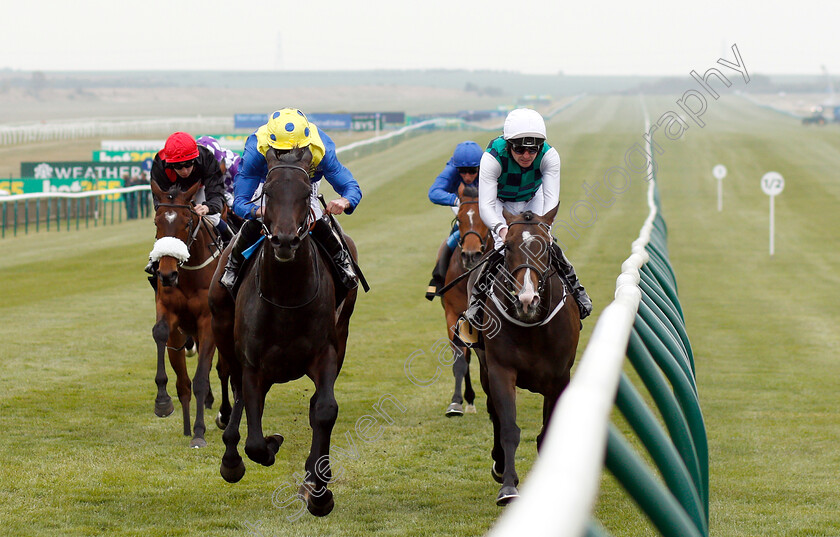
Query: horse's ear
point(508, 216)
point(549, 216)
point(461, 190)
point(193, 189)
point(157, 192)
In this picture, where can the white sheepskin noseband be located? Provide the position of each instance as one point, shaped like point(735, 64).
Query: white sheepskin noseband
point(172, 247)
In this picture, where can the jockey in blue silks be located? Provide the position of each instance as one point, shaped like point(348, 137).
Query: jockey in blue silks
point(286, 129)
point(462, 168)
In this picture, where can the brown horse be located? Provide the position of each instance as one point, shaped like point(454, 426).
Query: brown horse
point(534, 340)
point(188, 253)
point(474, 236)
point(285, 324)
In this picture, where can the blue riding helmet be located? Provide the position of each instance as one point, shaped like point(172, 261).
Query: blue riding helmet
point(467, 154)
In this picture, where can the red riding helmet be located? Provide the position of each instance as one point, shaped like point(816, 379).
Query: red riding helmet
point(179, 147)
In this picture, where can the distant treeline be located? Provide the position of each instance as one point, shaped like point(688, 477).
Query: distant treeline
point(483, 82)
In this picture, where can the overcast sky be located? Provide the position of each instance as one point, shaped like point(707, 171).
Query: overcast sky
point(646, 37)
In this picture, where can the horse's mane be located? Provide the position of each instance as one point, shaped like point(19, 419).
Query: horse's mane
point(470, 191)
point(527, 216)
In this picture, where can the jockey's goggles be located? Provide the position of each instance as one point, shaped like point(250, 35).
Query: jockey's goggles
point(521, 149)
point(468, 169)
point(181, 165)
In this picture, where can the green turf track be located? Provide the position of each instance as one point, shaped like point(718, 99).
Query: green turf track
point(84, 454)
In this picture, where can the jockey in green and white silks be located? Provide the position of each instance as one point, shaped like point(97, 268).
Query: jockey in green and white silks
point(519, 172)
point(505, 184)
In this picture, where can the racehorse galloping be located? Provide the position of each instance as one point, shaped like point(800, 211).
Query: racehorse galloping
point(473, 239)
point(535, 342)
point(285, 324)
point(181, 305)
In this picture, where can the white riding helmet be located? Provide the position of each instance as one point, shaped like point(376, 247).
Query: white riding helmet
point(525, 124)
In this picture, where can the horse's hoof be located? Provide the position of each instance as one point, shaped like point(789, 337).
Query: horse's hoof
point(198, 442)
point(220, 423)
point(232, 475)
point(469, 409)
point(164, 409)
point(274, 442)
point(507, 495)
point(320, 505)
point(455, 410)
point(497, 476)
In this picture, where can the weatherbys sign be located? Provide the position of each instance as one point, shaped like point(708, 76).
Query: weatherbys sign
point(80, 170)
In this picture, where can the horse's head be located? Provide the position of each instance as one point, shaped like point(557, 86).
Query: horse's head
point(528, 258)
point(287, 190)
point(472, 230)
point(177, 224)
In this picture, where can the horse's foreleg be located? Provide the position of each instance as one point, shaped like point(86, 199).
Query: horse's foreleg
point(502, 385)
point(201, 380)
point(459, 366)
point(549, 402)
point(223, 370)
point(183, 384)
point(232, 468)
point(258, 448)
point(469, 393)
point(497, 454)
point(323, 411)
point(163, 403)
point(459, 371)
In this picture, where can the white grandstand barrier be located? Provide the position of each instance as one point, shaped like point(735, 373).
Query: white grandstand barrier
point(68, 130)
point(560, 493)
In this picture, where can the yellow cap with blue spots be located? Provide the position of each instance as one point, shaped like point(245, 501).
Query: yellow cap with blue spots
point(288, 128)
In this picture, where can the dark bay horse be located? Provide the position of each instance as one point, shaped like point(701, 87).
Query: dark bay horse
point(187, 252)
point(474, 236)
point(285, 324)
point(535, 344)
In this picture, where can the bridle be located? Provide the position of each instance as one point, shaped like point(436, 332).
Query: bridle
point(543, 279)
point(543, 275)
point(483, 240)
point(307, 224)
point(302, 231)
point(192, 230)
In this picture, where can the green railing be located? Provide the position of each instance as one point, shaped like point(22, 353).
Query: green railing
point(645, 324)
point(66, 211)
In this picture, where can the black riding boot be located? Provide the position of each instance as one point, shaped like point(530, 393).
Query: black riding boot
point(439, 273)
point(322, 233)
point(247, 236)
point(583, 301)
